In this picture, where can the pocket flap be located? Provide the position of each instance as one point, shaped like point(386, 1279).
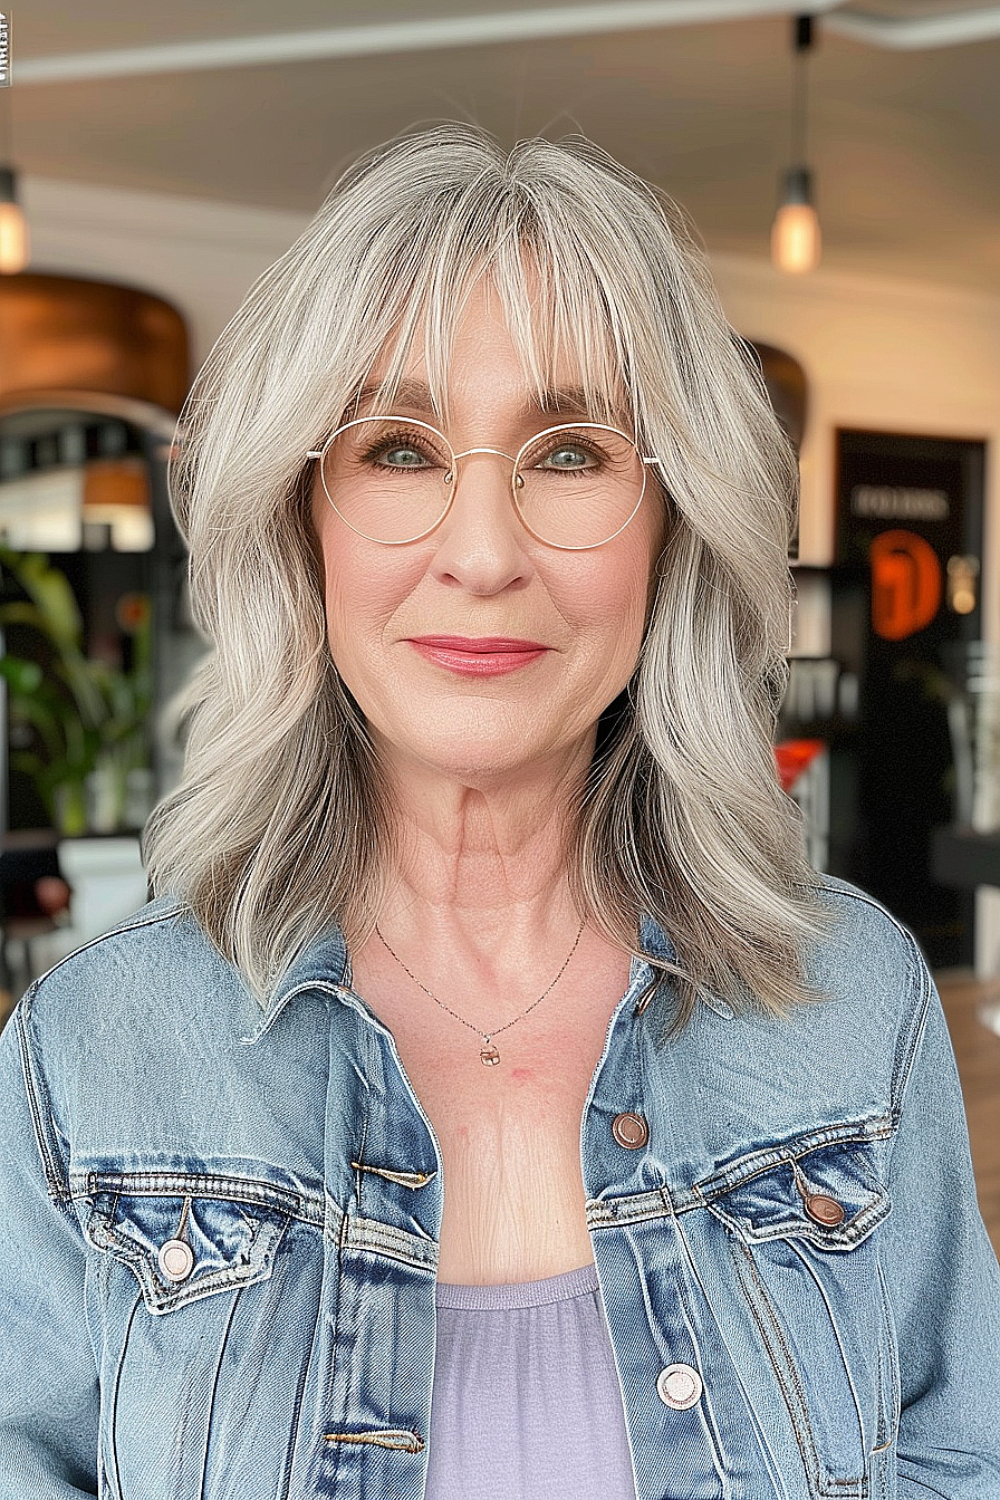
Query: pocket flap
point(185, 1236)
point(829, 1195)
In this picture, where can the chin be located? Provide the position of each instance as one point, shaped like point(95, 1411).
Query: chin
point(475, 753)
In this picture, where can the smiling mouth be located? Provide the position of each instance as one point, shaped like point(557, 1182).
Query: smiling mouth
point(478, 656)
point(477, 644)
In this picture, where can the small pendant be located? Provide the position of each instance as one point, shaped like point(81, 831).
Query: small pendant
point(489, 1056)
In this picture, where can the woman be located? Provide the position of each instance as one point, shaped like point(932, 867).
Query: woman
point(492, 1103)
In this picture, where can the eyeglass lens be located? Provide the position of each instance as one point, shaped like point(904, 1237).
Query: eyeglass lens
point(391, 479)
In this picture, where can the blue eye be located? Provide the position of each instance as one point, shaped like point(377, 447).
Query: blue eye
point(397, 450)
point(569, 458)
point(402, 456)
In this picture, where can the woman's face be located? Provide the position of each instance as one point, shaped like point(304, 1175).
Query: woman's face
point(478, 651)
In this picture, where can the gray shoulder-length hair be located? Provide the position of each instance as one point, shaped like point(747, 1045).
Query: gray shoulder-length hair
point(281, 823)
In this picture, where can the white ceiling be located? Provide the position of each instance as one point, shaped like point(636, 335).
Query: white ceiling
point(904, 143)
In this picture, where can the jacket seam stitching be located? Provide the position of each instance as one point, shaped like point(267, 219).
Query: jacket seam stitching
point(300, 1390)
point(117, 1387)
point(334, 1355)
point(119, 931)
point(826, 1486)
point(254, 1191)
point(799, 1419)
point(903, 1063)
point(885, 1132)
point(39, 1106)
point(903, 1067)
point(215, 1388)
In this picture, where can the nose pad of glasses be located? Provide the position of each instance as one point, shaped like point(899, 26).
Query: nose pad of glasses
point(519, 481)
point(448, 477)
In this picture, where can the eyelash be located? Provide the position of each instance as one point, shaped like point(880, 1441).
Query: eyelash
point(585, 447)
point(400, 439)
point(418, 441)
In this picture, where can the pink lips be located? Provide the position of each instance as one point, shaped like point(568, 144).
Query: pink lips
point(478, 656)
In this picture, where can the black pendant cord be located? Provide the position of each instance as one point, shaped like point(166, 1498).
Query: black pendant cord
point(803, 36)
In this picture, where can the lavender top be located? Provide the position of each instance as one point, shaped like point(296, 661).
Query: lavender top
point(526, 1402)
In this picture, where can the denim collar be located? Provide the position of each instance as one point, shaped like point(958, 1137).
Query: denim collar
point(326, 963)
point(654, 941)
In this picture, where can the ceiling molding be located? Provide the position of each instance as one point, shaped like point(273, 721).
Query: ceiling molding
point(426, 34)
point(444, 32)
point(919, 33)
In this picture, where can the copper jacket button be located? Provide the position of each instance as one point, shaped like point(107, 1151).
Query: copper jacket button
point(630, 1131)
point(825, 1210)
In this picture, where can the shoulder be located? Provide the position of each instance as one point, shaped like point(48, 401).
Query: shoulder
point(140, 1049)
point(133, 990)
point(873, 991)
point(862, 943)
point(157, 950)
point(838, 1059)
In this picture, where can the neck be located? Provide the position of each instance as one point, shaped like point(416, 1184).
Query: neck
point(484, 860)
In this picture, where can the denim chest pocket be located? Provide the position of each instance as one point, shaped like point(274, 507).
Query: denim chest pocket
point(828, 1196)
point(801, 1224)
point(185, 1236)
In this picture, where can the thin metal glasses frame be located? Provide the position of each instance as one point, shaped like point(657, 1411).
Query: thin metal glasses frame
point(451, 478)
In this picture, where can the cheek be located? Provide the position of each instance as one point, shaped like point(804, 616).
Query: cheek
point(344, 600)
point(363, 586)
point(629, 585)
point(629, 607)
point(610, 607)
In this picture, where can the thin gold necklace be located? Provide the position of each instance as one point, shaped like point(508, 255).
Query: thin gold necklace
point(488, 1054)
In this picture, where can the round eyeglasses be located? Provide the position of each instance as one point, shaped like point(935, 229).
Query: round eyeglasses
point(393, 479)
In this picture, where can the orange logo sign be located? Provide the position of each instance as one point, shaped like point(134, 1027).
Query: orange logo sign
point(906, 584)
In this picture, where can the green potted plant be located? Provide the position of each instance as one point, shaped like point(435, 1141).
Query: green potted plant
point(87, 722)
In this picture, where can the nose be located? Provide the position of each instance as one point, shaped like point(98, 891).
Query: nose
point(481, 542)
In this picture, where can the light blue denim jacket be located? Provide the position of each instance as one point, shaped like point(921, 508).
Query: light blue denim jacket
point(147, 1098)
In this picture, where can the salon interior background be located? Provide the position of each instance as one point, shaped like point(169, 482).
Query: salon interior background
point(180, 148)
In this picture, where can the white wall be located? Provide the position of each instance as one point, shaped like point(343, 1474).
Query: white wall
point(898, 356)
point(201, 256)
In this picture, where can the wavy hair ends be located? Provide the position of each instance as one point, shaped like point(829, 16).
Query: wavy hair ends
point(281, 825)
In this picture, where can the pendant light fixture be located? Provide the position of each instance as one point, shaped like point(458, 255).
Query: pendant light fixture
point(14, 250)
point(795, 235)
point(13, 226)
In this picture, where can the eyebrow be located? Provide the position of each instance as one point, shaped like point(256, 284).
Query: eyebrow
point(415, 396)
